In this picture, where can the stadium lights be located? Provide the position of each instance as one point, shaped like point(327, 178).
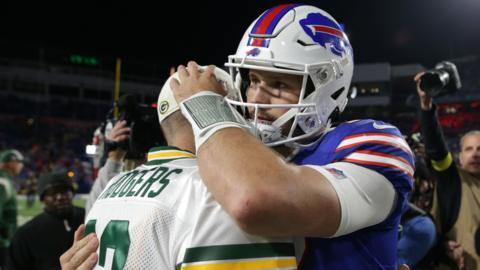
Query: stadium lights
point(91, 149)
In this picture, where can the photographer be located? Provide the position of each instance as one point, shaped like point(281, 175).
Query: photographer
point(456, 206)
point(127, 142)
point(114, 163)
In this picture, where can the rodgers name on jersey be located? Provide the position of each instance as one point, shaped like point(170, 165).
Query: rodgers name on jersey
point(140, 183)
point(161, 216)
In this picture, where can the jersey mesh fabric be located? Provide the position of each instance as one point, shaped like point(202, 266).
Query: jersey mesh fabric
point(153, 232)
point(158, 228)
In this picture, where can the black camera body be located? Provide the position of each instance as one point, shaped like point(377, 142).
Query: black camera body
point(144, 126)
point(441, 80)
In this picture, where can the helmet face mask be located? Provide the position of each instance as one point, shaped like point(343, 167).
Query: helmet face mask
point(299, 40)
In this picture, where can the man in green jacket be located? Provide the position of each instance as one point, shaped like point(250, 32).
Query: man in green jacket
point(11, 164)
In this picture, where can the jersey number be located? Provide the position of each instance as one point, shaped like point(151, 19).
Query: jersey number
point(116, 237)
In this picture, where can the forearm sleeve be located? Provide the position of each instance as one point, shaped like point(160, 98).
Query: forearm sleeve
point(435, 145)
point(448, 186)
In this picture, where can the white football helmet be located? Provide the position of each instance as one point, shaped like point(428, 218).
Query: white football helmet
point(301, 40)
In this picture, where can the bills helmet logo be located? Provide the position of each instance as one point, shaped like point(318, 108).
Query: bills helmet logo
point(253, 52)
point(325, 31)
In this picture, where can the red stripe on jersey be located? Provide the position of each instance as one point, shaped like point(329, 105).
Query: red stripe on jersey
point(380, 154)
point(372, 134)
point(373, 142)
point(380, 164)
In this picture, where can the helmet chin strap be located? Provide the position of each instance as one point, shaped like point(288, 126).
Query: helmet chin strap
point(271, 132)
point(291, 113)
point(267, 132)
point(284, 118)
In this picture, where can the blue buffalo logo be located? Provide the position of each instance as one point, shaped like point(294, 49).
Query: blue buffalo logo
point(325, 31)
point(253, 52)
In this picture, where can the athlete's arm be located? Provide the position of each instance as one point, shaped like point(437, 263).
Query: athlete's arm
point(269, 196)
point(265, 194)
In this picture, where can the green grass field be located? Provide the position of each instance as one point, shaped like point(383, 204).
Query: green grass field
point(26, 213)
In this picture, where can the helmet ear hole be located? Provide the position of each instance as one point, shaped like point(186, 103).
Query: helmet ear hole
point(337, 93)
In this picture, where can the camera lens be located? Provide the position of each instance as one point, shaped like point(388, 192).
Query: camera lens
point(434, 80)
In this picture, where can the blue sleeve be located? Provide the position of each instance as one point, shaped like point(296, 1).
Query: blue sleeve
point(417, 238)
point(380, 147)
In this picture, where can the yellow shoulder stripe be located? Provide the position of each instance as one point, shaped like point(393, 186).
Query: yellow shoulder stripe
point(168, 155)
point(290, 263)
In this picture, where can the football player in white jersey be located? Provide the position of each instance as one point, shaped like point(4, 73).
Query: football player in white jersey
point(161, 215)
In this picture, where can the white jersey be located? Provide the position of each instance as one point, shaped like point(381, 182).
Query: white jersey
point(161, 216)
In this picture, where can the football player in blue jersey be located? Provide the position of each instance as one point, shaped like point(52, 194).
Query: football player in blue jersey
point(343, 185)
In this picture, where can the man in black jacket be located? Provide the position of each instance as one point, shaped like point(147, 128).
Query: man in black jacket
point(456, 207)
point(39, 243)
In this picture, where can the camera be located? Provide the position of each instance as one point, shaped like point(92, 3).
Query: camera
point(441, 80)
point(145, 129)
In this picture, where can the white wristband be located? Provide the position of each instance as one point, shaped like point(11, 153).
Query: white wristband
point(208, 112)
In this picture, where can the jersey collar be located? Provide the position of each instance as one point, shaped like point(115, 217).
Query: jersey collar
point(162, 154)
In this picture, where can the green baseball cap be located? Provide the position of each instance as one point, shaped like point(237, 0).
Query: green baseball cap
point(11, 155)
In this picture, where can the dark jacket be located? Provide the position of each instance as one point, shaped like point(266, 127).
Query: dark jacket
point(39, 243)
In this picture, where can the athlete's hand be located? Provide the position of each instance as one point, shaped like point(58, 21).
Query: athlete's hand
point(81, 255)
point(193, 80)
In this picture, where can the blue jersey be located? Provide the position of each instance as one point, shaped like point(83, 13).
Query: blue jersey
point(377, 146)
